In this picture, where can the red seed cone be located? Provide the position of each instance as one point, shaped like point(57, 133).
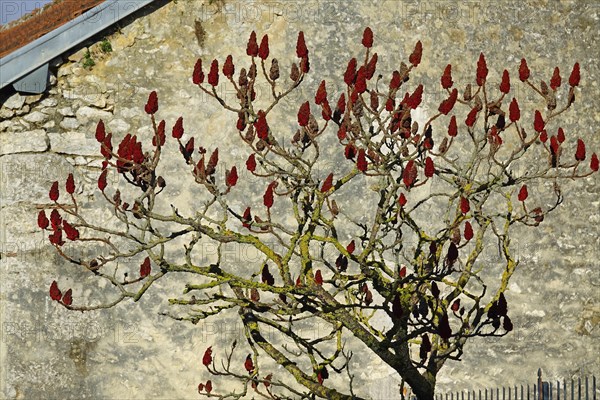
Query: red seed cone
point(402, 272)
point(361, 161)
point(350, 73)
point(452, 127)
point(415, 99)
point(523, 70)
point(556, 80)
point(228, 67)
point(580, 153)
point(396, 81)
point(248, 364)
point(70, 184)
point(447, 105)
point(514, 113)
point(268, 196)
point(351, 247)
point(232, 177)
point(465, 207)
point(262, 129)
point(429, 167)
point(326, 113)
point(212, 162)
point(482, 70)
point(327, 183)
point(455, 305)
point(152, 103)
point(575, 75)
point(71, 232)
point(367, 39)
point(56, 237)
point(468, 231)
point(207, 358)
point(472, 117)
point(321, 95)
point(263, 50)
point(55, 293)
point(106, 147)
point(246, 218)
point(402, 200)
point(67, 298)
point(304, 114)
point(560, 135)
point(102, 180)
point(371, 66)
point(213, 75)
point(410, 174)
point(54, 193)
point(446, 79)
point(198, 74)
point(100, 131)
point(178, 128)
point(415, 57)
point(55, 219)
point(319, 278)
point(43, 220)
point(594, 163)
point(523, 193)
point(145, 268)
point(252, 47)
point(538, 122)
point(251, 163)
point(361, 80)
point(301, 49)
point(505, 84)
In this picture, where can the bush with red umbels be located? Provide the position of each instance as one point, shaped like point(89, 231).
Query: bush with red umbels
point(475, 158)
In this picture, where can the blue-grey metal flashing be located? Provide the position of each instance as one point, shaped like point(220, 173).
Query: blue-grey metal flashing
point(27, 67)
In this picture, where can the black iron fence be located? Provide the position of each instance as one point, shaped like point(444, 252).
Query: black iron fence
point(580, 389)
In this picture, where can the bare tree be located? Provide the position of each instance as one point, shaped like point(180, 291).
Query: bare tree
point(405, 280)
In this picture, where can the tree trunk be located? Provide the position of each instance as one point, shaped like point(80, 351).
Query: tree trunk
point(424, 392)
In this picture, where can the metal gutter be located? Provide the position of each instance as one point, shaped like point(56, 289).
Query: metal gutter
point(27, 67)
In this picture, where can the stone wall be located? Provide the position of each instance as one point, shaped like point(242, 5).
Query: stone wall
point(133, 352)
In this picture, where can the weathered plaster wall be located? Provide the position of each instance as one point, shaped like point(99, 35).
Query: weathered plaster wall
point(131, 351)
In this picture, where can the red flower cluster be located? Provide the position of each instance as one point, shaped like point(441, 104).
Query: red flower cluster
point(268, 196)
point(56, 222)
point(228, 67)
point(145, 268)
point(482, 70)
point(304, 114)
point(523, 70)
point(261, 126)
point(130, 153)
point(505, 84)
point(57, 295)
point(152, 103)
point(327, 183)
point(447, 77)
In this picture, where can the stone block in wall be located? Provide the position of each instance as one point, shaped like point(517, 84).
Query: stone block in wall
point(23, 142)
point(89, 114)
point(69, 123)
point(74, 142)
point(27, 177)
point(35, 117)
point(14, 102)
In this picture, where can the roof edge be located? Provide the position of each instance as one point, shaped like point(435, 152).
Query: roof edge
point(38, 53)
